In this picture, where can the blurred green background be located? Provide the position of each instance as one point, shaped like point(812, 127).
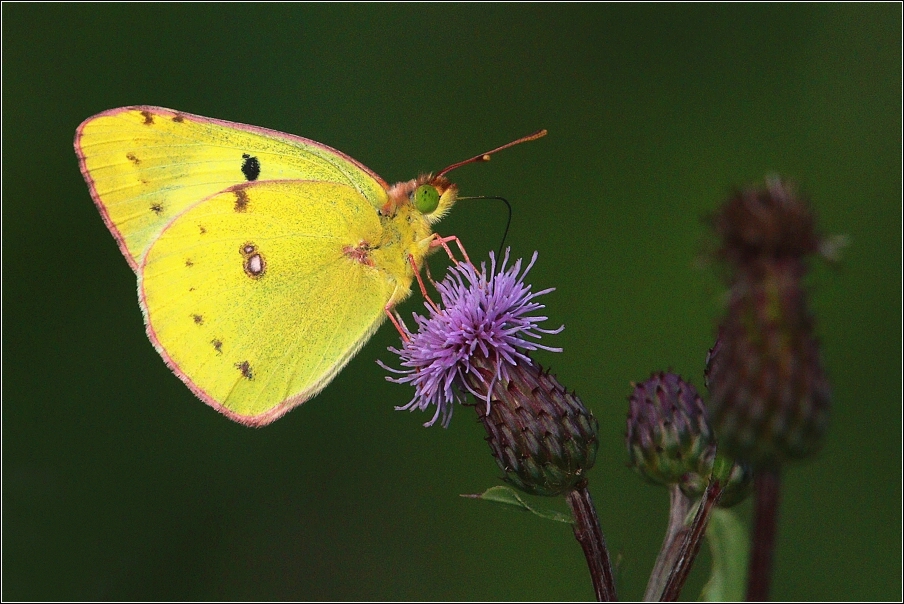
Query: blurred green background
point(119, 484)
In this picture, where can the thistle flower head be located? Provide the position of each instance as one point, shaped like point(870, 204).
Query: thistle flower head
point(485, 314)
point(477, 341)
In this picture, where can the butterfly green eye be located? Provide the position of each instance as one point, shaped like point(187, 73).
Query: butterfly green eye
point(426, 199)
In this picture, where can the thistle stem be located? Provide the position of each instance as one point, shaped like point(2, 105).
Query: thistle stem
point(679, 506)
point(693, 538)
point(589, 534)
point(765, 521)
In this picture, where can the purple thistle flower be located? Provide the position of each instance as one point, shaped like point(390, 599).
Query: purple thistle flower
point(481, 314)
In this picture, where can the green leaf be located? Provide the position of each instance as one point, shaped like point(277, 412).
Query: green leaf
point(730, 547)
point(507, 496)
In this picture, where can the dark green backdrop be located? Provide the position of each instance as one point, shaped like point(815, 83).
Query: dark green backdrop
point(119, 484)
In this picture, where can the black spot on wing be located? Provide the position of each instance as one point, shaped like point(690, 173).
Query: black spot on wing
point(189, 263)
point(157, 208)
point(148, 118)
point(133, 158)
point(198, 319)
point(251, 167)
point(178, 119)
point(217, 345)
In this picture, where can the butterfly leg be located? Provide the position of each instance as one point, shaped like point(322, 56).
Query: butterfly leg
point(429, 276)
point(444, 243)
point(420, 282)
point(397, 321)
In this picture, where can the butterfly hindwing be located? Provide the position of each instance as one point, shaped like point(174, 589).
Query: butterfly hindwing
point(146, 165)
point(257, 296)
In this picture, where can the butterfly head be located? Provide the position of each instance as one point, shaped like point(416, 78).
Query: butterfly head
point(432, 196)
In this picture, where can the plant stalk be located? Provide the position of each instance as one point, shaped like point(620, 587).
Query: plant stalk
point(679, 507)
point(765, 521)
point(693, 538)
point(589, 534)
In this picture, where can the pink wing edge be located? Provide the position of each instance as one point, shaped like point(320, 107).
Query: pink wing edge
point(120, 240)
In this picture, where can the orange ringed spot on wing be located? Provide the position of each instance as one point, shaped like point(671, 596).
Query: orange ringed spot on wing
point(254, 266)
point(148, 118)
point(253, 262)
point(359, 253)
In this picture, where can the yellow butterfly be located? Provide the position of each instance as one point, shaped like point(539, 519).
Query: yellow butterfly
point(265, 260)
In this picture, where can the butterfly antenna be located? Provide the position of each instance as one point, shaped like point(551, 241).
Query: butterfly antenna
point(486, 156)
point(508, 222)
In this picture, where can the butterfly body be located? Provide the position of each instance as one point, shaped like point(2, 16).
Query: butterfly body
point(264, 260)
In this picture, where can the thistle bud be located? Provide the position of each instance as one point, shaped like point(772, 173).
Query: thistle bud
point(670, 440)
point(668, 434)
point(542, 436)
point(769, 394)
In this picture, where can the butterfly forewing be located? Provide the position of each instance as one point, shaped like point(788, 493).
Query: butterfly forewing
point(147, 165)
